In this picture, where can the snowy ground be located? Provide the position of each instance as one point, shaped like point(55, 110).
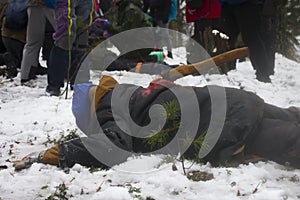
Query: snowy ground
point(28, 118)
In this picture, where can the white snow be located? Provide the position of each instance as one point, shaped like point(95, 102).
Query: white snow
point(28, 117)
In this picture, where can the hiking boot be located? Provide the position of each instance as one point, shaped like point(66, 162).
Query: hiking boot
point(11, 69)
point(33, 72)
point(11, 73)
point(2, 72)
point(28, 83)
point(31, 76)
point(170, 55)
point(264, 79)
point(53, 91)
point(41, 70)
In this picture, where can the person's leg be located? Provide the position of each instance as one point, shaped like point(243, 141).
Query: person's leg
point(268, 31)
point(201, 28)
point(34, 41)
point(196, 35)
point(228, 25)
point(84, 10)
point(2, 47)
point(248, 16)
point(64, 155)
point(57, 68)
point(2, 62)
point(48, 41)
point(277, 140)
point(15, 47)
point(11, 69)
point(162, 37)
point(11, 57)
point(74, 151)
point(285, 114)
point(64, 38)
point(50, 27)
point(71, 38)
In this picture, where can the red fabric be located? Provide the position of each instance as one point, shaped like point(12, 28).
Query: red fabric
point(96, 6)
point(209, 10)
point(157, 84)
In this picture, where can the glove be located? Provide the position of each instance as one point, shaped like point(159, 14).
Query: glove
point(27, 161)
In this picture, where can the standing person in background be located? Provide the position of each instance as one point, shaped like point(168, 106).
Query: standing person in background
point(160, 12)
point(101, 7)
point(245, 17)
point(73, 17)
point(38, 15)
point(2, 47)
point(125, 15)
point(13, 41)
point(105, 5)
point(206, 17)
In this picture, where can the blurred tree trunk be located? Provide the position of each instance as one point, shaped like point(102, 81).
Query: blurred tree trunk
point(287, 24)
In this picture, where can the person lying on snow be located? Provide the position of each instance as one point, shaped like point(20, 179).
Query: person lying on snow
point(252, 130)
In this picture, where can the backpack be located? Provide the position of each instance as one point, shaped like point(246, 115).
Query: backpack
point(16, 14)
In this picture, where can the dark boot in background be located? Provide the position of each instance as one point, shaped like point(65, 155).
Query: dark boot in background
point(41, 70)
point(77, 69)
point(57, 70)
point(11, 69)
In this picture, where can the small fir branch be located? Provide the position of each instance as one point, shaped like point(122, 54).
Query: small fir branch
point(72, 134)
point(159, 138)
point(172, 109)
point(60, 193)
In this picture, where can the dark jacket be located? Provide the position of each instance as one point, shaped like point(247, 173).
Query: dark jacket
point(19, 34)
point(159, 9)
point(244, 112)
point(126, 15)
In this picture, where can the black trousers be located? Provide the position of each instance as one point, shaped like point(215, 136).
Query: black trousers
point(278, 136)
point(48, 41)
point(15, 47)
point(246, 19)
point(201, 24)
point(2, 47)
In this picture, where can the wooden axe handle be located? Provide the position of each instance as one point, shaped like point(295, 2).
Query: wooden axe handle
point(206, 64)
